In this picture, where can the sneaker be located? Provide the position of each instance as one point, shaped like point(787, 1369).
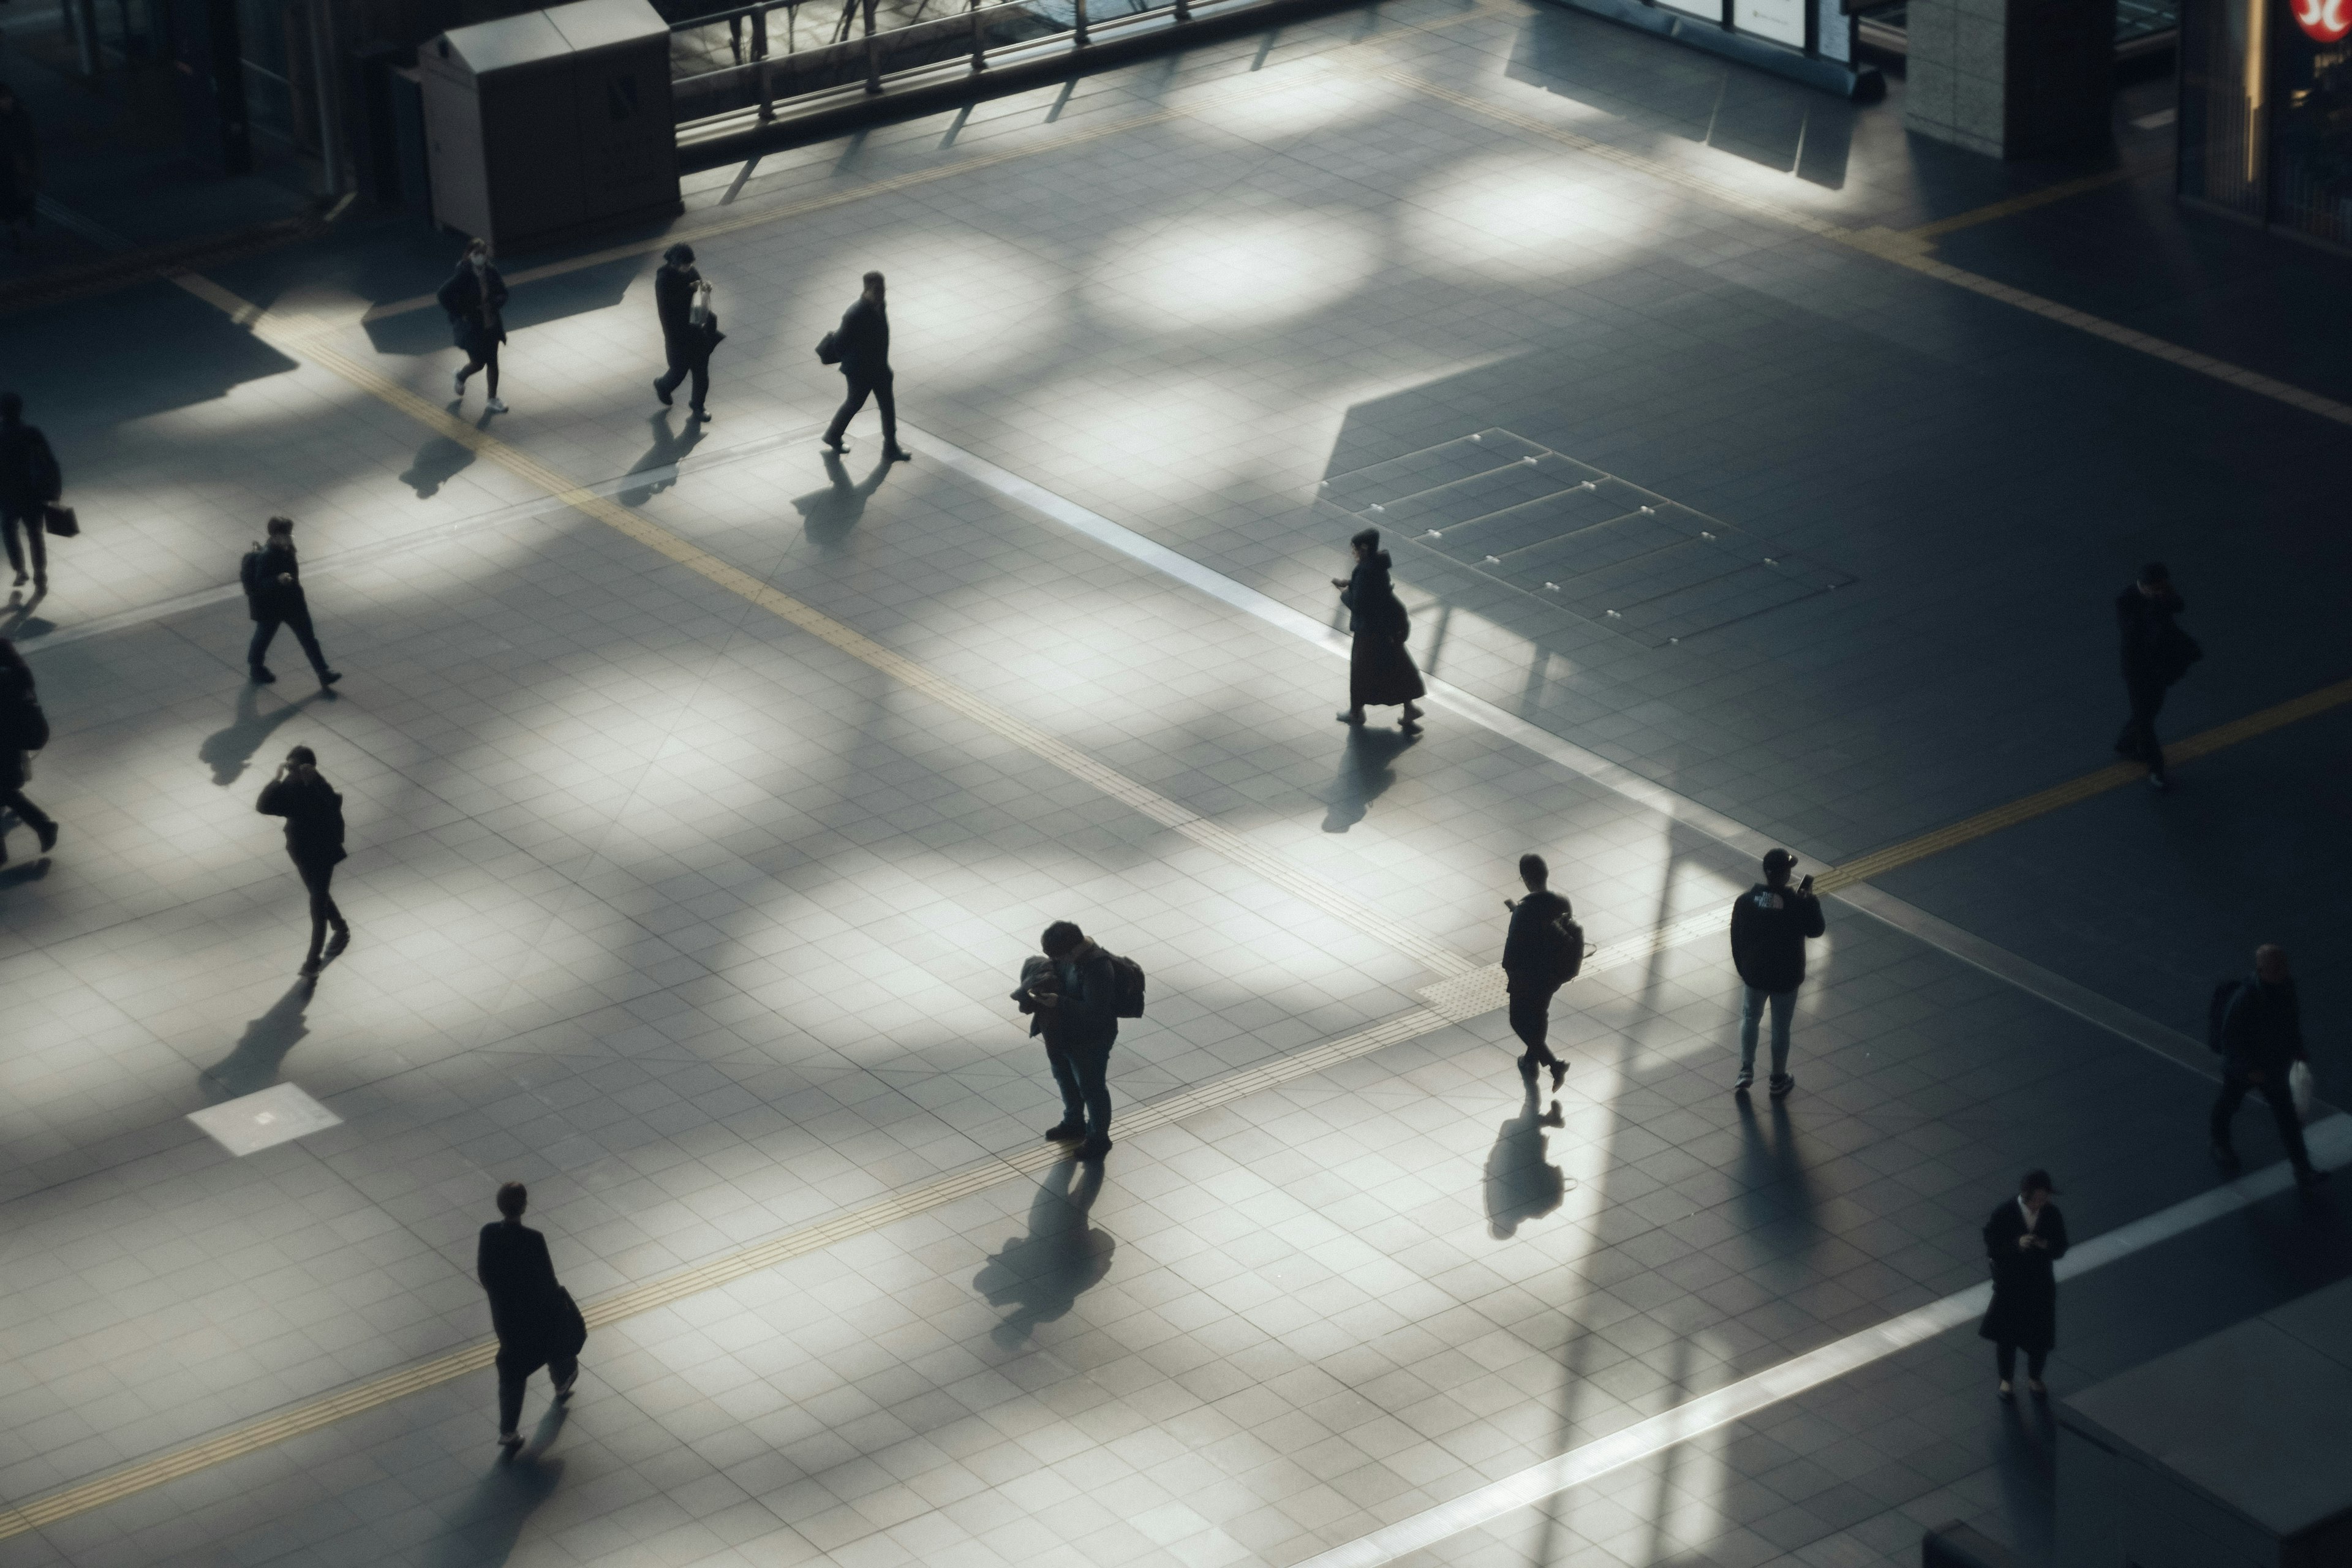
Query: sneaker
point(457, 384)
point(660, 394)
point(1527, 1066)
point(260, 675)
point(2008, 1395)
point(495, 406)
point(310, 967)
point(1066, 1132)
point(1744, 1082)
point(48, 834)
point(701, 415)
point(1781, 1084)
point(1094, 1148)
point(2036, 1387)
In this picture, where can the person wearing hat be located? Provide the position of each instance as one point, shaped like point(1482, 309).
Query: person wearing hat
point(1770, 924)
point(688, 333)
point(2155, 653)
point(2024, 1239)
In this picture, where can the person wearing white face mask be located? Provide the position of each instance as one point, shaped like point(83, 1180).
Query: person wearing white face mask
point(474, 299)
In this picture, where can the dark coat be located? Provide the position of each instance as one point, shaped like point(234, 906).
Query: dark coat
point(2263, 1030)
point(1379, 670)
point(314, 818)
point(864, 340)
point(1039, 978)
point(1532, 952)
point(2024, 1311)
point(16, 687)
point(1768, 942)
point(474, 306)
point(24, 457)
point(266, 598)
point(2156, 651)
point(1087, 1016)
point(533, 1315)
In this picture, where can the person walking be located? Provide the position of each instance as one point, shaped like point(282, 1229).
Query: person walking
point(1770, 924)
point(29, 481)
point(689, 329)
point(1079, 1015)
point(274, 598)
point(1380, 669)
point(2156, 654)
point(862, 345)
point(538, 1323)
point(2024, 1240)
point(314, 841)
point(1535, 959)
point(2260, 1041)
point(23, 727)
point(20, 167)
point(475, 300)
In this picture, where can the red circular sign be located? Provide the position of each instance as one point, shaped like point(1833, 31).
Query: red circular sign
point(2326, 20)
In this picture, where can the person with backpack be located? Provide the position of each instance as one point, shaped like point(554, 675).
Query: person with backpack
point(29, 481)
point(1543, 951)
point(274, 598)
point(2156, 654)
point(474, 299)
point(1380, 669)
point(1078, 1014)
point(1770, 924)
point(23, 727)
point(314, 841)
point(536, 1320)
point(2256, 1026)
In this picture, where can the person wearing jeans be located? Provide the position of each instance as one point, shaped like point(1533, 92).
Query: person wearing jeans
point(1083, 1005)
point(1770, 924)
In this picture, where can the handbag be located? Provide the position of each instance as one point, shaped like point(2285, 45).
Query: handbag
point(60, 520)
point(571, 1329)
point(828, 349)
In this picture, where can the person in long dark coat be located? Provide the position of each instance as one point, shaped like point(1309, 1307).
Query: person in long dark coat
point(475, 300)
point(863, 341)
point(685, 341)
point(1380, 669)
point(19, 706)
point(314, 841)
point(537, 1323)
point(2024, 1239)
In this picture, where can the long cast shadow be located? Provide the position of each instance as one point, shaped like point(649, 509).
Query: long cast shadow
point(438, 462)
point(253, 1065)
point(488, 1525)
point(828, 515)
point(1044, 1273)
point(230, 750)
point(670, 449)
point(1364, 773)
point(1522, 1184)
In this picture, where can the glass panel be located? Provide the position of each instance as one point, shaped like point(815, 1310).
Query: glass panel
point(2221, 103)
point(2311, 179)
point(1782, 21)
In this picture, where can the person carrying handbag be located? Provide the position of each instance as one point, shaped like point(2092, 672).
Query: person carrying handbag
point(30, 484)
point(1379, 670)
point(538, 1323)
point(2259, 1034)
point(23, 727)
point(690, 327)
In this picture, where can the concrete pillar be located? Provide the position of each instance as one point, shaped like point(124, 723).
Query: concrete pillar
point(2012, 78)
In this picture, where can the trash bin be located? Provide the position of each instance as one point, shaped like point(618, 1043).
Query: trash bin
point(550, 124)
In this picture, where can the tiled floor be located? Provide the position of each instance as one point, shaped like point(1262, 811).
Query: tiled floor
point(702, 924)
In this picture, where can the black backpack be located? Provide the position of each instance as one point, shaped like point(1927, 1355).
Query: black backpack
point(2217, 1014)
point(1569, 962)
point(1129, 976)
point(254, 569)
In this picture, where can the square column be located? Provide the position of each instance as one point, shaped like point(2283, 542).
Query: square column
point(2012, 78)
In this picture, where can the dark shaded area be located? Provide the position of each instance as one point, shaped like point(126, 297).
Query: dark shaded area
point(437, 462)
point(253, 1065)
point(1522, 1184)
point(17, 622)
point(485, 1527)
point(1042, 1274)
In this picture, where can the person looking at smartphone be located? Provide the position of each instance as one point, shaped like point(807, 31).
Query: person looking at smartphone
point(1770, 924)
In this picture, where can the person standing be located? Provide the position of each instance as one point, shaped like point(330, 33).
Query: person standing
point(1083, 1006)
point(538, 1323)
point(1380, 669)
point(2024, 1240)
point(2156, 654)
point(862, 345)
point(20, 167)
point(689, 330)
point(274, 598)
point(23, 727)
point(475, 299)
point(2261, 1041)
point(1770, 924)
point(1535, 956)
point(29, 481)
point(314, 841)
point(1040, 983)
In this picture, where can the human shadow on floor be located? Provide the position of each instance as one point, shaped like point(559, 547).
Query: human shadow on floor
point(16, 872)
point(19, 623)
point(1522, 1184)
point(438, 462)
point(1364, 772)
point(1043, 1274)
point(828, 515)
point(485, 1527)
point(658, 467)
point(253, 1066)
point(230, 752)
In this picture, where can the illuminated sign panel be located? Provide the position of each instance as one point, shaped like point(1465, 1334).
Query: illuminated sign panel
point(1783, 21)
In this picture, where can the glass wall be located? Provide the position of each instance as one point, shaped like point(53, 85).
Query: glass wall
point(2266, 111)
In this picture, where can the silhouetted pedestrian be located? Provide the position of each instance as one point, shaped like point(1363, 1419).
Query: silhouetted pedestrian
point(2156, 654)
point(1770, 924)
point(538, 1323)
point(689, 328)
point(20, 167)
point(2260, 1041)
point(1039, 981)
point(475, 299)
point(1380, 669)
point(29, 481)
point(2023, 1239)
point(861, 345)
point(1536, 963)
point(274, 598)
point(314, 841)
point(1079, 1015)
point(23, 727)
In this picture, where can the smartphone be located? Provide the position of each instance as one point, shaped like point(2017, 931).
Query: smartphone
point(1807, 885)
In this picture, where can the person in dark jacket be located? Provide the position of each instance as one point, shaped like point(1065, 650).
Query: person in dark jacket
point(537, 1323)
point(1079, 1015)
point(1041, 979)
point(1770, 924)
point(273, 599)
point(475, 300)
point(2156, 654)
point(314, 841)
point(2262, 1039)
point(20, 167)
point(864, 344)
point(686, 341)
point(20, 724)
point(1380, 669)
point(2023, 1239)
point(1533, 958)
point(29, 480)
